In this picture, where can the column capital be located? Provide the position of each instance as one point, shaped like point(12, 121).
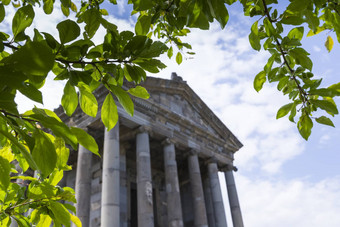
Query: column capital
point(212, 159)
point(193, 152)
point(168, 141)
point(143, 128)
point(229, 167)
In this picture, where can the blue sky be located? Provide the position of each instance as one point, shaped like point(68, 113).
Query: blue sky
point(282, 179)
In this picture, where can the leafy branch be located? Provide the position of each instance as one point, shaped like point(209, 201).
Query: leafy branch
point(303, 93)
point(10, 209)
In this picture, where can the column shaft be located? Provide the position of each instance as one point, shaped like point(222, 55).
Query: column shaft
point(172, 187)
point(144, 182)
point(123, 189)
point(233, 199)
point(208, 202)
point(83, 185)
point(110, 179)
point(200, 216)
point(216, 195)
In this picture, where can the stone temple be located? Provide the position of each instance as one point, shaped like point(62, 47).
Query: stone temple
point(159, 167)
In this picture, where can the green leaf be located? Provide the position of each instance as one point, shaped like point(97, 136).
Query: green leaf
point(143, 24)
point(2, 12)
point(85, 140)
point(92, 19)
point(293, 20)
point(329, 43)
point(324, 120)
point(259, 80)
point(65, 10)
point(45, 220)
point(48, 119)
point(55, 177)
point(170, 52)
point(44, 153)
point(109, 112)
point(179, 58)
point(34, 58)
point(318, 30)
point(325, 92)
point(270, 30)
point(21, 220)
point(150, 65)
point(75, 219)
point(5, 169)
point(68, 31)
point(254, 39)
point(139, 92)
point(136, 73)
point(62, 153)
point(61, 214)
point(301, 58)
point(7, 101)
point(22, 19)
point(296, 33)
point(312, 20)
point(141, 5)
point(6, 2)
point(124, 99)
point(219, 12)
point(284, 110)
point(22, 149)
point(305, 125)
point(297, 5)
point(48, 6)
point(88, 102)
point(69, 101)
point(157, 48)
point(325, 105)
point(31, 92)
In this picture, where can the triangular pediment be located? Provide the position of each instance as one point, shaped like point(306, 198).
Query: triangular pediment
point(176, 97)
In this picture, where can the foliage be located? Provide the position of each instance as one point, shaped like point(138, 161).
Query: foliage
point(36, 140)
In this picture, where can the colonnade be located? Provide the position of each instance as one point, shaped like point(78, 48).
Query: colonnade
point(207, 200)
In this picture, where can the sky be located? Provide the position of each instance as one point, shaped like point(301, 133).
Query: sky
point(283, 180)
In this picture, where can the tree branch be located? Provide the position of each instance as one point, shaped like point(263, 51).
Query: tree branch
point(10, 46)
point(91, 62)
point(9, 209)
point(17, 116)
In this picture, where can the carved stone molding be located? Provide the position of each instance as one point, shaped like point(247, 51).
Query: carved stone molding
point(229, 167)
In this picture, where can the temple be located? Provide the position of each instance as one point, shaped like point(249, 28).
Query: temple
point(159, 167)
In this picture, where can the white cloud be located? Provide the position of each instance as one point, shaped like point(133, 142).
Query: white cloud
point(324, 139)
point(316, 48)
point(283, 203)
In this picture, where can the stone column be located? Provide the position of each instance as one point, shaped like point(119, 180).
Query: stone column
point(123, 188)
point(216, 195)
point(144, 182)
point(236, 214)
point(208, 202)
point(13, 223)
point(110, 179)
point(174, 209)
point(83, 185)
point(200, 216)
